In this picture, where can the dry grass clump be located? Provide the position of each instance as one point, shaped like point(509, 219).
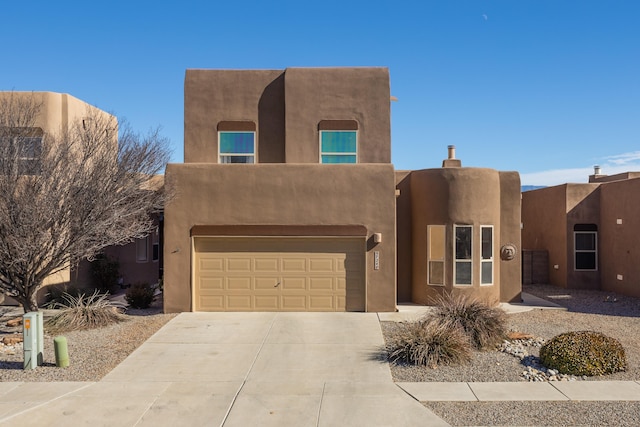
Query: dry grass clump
point(430, 344)
point(83, 312)
point(483, 323)
point(584, 353)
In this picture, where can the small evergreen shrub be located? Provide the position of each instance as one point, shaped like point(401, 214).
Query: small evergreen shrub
point(83, 312)
point(105, 272)
point(484, 325)
point(140, 295)
point(429, 344)
point(584, 353)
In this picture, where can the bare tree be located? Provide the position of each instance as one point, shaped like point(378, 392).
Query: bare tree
point(66, 196)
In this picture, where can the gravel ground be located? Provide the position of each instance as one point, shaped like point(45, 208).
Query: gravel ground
point(92, 353)
point(614, 315)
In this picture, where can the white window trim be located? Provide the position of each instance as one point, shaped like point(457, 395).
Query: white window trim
point(489, 260)
point(429, 259)
point(146, 247)
point(254, 154)
point(338, 154)
point(576, 251)
point(456, 260)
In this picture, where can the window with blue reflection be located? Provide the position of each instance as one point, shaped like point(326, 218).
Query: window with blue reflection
point(338, 146)
point(237, 147)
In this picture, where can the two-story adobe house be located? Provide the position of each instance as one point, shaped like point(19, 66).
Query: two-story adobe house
point(287, 200)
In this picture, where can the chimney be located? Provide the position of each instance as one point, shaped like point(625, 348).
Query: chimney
point(597, 174)
point(451, 161)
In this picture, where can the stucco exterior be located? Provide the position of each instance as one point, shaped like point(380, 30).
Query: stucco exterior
point(287, 193)
point(610, 206)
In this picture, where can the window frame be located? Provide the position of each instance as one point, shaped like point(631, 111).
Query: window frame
point(489, 260)
point(577, 251)
point(142, 243)
point(457, 260)
point(344, 153)
point(431, 259)
point(253, 155)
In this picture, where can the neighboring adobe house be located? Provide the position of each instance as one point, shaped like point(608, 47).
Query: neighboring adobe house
point(57, 112)
point(588, 231)
point(287, 201)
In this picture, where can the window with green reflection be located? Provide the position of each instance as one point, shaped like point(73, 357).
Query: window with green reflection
point(338, 146)
point(237, 147)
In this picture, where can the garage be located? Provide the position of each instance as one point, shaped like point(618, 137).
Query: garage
point(278, 274)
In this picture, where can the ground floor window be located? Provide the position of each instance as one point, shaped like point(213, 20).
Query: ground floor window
point(463, 260)
point(486, 255)
point(435, 254)
point(585, 238)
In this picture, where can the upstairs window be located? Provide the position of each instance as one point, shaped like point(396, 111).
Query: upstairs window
point(23, 148)
point(585, 238)
point(237, 147)
point(338, 141)
point(237, 142)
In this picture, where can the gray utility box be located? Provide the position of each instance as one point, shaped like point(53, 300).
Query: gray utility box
point(33, 334)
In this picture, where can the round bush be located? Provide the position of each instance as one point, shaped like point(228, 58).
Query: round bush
point(584, 353)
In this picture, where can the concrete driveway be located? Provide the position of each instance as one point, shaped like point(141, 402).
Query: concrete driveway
point(238, 369)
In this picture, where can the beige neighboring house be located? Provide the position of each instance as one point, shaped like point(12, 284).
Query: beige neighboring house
point(585, 235)
point(287, 201)
point(139, 261)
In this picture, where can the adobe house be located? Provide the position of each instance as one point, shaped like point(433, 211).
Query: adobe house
point(287, 200)
point(588, 231)
point(140, 260)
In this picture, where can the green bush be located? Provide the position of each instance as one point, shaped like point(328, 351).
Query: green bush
point(484, 324)
point(105, 272)
point(584, 353)
point(428, 343)
point(57, 295)
point(83, 312)
point(140, 295)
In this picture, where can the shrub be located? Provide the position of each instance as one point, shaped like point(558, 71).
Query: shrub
point(484, 325)
point(429, 344)
point(140, 295)
point(84, 312)
point(56, 294)
point(584, 353)
point(105, 272)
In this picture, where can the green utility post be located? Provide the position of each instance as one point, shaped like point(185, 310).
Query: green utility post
point(61, 351)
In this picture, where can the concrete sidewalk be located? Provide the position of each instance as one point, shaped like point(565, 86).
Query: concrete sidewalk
point(234, 369)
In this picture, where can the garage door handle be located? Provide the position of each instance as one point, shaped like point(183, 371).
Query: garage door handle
point(277, 284)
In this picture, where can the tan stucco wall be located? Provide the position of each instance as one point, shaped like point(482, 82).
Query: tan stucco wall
point(464, 196)
point(619, 250)
point(284, 194)
point(544, 227)
point(510, 232)
point(213, 96)
point(286, 107)
point(583, 207)
point(404, 233)
point(315, 94)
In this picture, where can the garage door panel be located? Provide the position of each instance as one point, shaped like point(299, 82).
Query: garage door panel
point(294, 302)
point(238, 265)
point(211, 264)
point(278, 274)
point(267, 265)
point(294, 265)
point(293, 283)
point(321, 283)
point(267, 283)
point(266, 302)
point(321, 265)
point(239, 302)
point(207, 283)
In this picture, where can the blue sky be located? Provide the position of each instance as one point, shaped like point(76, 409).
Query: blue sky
point(549, 88)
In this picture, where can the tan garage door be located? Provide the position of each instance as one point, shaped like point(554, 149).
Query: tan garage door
point(278, 274)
